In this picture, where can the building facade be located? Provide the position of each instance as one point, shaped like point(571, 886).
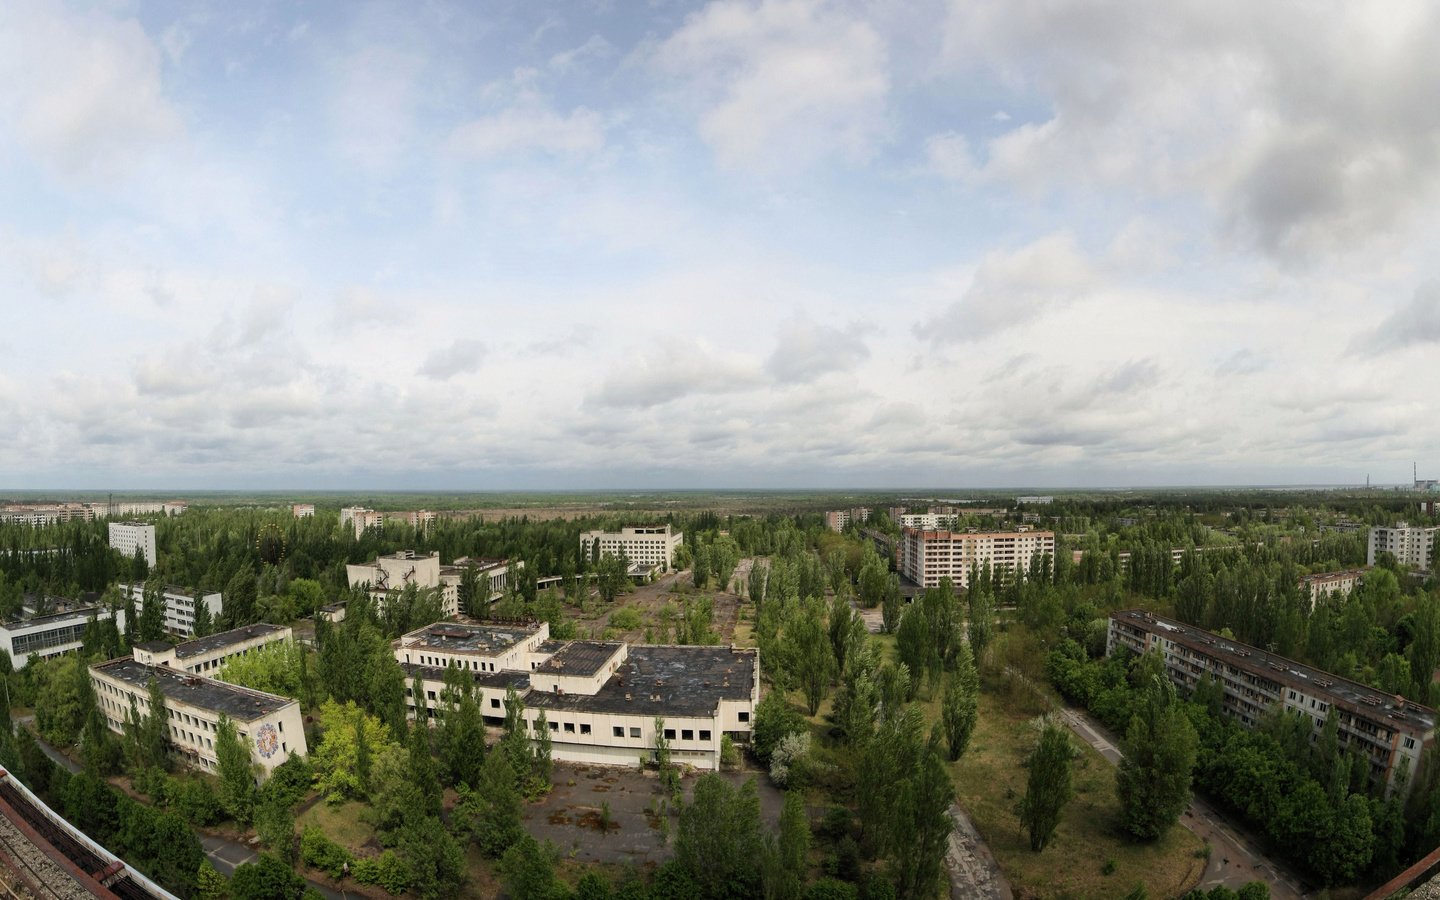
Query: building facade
point(270, 726)
point(1391, 732)
point(302, 510)
point(127, 537)
point(1340, 584)
point(1411, 545)
point(395, 571)
point(206, 655)
point(927, 557)
point(601, 699)
point(180, 606)
point(838, 519)
point(47, 636)
point(653, 545)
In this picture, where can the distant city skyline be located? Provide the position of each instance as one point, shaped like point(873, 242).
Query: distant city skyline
point(732, 244)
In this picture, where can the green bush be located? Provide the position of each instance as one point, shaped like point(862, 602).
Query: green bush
point(831, 889)
point(387, 870)
point(626, 618)
point(324, 854)
point(195, 800)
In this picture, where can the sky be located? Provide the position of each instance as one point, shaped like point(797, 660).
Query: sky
point(786, 243)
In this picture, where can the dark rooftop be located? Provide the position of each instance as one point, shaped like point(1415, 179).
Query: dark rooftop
point(154, 646)
point(1371, 702)
point(453, 637)
point(240, 704)
point(582, 658)
point(672, 681)
point(53, 618)
point(520, 681)
point(550, 646)
point(211, 643)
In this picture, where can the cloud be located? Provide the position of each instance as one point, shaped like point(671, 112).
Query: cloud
point(464, 355)
point(1013, 288)
point(1417, 322)
point(676, 369)
point(529, 128)
point(1300, 149)
point(806, 350)
point(781, 82)
point(82, 92)
point(376, 99)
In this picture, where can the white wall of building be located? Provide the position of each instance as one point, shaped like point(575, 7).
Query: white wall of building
point(127, 536)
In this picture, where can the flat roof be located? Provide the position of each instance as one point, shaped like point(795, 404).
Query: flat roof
point(1360, 698)
point(455, 637)
point(665, 680)
point(520, 681)
point(52, 619)
point(582, 658)
point(212, 642)
point(239, 703)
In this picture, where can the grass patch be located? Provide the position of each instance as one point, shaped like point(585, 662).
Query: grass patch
point(990, 780)
point(342, 824)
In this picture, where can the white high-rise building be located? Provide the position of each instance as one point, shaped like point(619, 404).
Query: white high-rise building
point(126, 537)
point(926, 557)
point(647, 546)
point(1411, 545)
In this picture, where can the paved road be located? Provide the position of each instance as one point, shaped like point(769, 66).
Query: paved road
point(224, 854)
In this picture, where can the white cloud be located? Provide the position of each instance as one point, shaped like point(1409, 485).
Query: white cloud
point(1011, 288)
point(527, 129)
point(1301, 148)
point(782, 82)
point(1417, 322)
point(805, 350)
point(461, 356)
point(82, 92)
point(653, 375)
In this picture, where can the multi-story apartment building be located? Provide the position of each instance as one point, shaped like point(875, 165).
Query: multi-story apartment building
point(180, 606)
point(928, 521)
point(361, 518)
point(1389, 730)
point(419, 518)
point(647, 546)
point(838, 519)
point(1411, 545)
point(127, 537)
point(302, 510)
point(44, 513)
point(601, 698)
point(271, 726)
point(1313, 587)
point(174, 507)
point(47, 636)
point(393, 572)
point(926, 557)
point(1035, 500)
point(206, 655)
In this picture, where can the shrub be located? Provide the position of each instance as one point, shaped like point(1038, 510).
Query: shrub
point(789, 761)
point(830, 889)
point(729, 753)
point(626, 618)
point(387, 870)
point(195, 800)
point(324, 854)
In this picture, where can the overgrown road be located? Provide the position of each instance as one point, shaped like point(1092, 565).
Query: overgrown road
point(1235, 856)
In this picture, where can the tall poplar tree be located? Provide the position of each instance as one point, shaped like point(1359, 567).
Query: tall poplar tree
point(1049, 787)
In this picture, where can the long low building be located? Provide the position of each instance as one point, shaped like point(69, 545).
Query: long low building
point(203, 656)
point(47, 636)
point(1391, 731)
point(601, 698)
point(270, 725)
